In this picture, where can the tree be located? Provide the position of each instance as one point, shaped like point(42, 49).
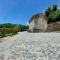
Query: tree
point(54, 17)
point(54, 8)
point(16, 29)
point(48, 11)
point(52, 14)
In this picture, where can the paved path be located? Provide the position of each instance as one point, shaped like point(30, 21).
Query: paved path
point(31, 46)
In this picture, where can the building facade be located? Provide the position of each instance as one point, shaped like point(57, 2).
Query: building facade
point(38, 23)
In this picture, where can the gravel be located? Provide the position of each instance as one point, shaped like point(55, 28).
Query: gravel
point(31, 46)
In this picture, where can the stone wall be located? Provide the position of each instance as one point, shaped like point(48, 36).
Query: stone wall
point(53, 27)
point(38, 24)
point(41, 24)
point(31, 25)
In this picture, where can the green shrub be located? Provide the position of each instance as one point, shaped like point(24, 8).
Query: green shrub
point(52, 13)
point(54, 17)
point(11, 29)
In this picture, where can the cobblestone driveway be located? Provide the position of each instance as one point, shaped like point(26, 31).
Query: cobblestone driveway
point(31, 46)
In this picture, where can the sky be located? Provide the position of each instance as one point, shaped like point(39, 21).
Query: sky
point(20, 11)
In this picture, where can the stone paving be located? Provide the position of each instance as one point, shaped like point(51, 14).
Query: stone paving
point(31, 46)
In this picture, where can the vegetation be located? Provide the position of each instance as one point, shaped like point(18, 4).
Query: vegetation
point(11, 29)
point(53, 14)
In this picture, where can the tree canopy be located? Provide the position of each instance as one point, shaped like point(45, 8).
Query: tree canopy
point(52, 14)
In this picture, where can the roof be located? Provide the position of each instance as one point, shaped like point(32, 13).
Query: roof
point(37, 16)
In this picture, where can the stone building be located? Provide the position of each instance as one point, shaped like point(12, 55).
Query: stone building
point(38, 23)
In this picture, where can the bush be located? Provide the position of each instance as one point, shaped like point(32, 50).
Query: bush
point(53, 14)
point(54, 17)
point(11, 29)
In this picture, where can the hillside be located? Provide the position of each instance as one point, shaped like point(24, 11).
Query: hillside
point(9, 29)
